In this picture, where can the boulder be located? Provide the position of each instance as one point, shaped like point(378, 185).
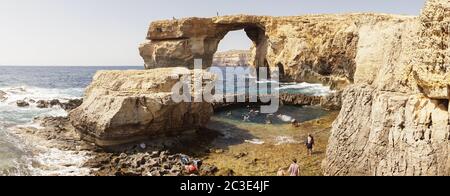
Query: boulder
point(54, 102)
point(22, 103)
point(3, 96)
point(125, 106)
point(71, 104)
point(42, 104)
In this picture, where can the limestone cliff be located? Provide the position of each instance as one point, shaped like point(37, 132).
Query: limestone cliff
point(126, 106)
point(397, 121)
point(232, 58)
point(312, 48)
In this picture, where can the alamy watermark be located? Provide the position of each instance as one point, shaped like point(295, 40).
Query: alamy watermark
point(231, 85)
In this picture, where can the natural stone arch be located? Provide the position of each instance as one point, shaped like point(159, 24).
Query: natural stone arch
point(178, 42)
point(315, 49)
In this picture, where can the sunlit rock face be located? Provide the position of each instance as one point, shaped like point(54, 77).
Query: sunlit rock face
point(432, 60)
point(127, 106)
point(313, 48)
point(398, 124)
point(232, 58)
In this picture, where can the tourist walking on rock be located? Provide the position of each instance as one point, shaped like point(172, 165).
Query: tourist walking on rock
point(310, 144)
point(294, 169)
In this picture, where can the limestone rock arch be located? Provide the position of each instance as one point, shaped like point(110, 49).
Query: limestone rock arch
point(178, 42)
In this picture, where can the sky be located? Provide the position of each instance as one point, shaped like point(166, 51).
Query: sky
point(108, 32)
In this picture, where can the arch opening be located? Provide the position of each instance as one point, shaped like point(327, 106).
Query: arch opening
point(247, 39)
point(234, 49)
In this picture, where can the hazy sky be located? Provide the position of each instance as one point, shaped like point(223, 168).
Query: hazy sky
point(108, 32)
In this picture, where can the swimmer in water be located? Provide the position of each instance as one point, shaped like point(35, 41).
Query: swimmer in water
point(268, 119)
point(246, 118)
point(295, 123)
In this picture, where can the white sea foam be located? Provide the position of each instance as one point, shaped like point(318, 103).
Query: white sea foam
point(255, 141)
point(285, 118)
point(13, 94)
point(267, 81)
point(307, 88)
point(31, 156)
point(61, 163)
point(279, 140)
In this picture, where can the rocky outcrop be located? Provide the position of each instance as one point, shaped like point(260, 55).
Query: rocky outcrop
point(396, 120)
point(126, 106)
point(2, 96)
point(68, 106)
point(389, 133)
point(432, 60)
point(234, 58)
point(154, 163)
point(22, 103)
point(313, 48)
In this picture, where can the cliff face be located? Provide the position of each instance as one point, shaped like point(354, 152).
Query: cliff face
point(232, 58)
point(397, 122)
point(314, 48)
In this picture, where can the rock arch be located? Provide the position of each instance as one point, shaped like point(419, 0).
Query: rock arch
point(178, 42)
point(326, 49)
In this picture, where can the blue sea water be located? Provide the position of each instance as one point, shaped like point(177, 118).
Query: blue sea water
point(37, 83)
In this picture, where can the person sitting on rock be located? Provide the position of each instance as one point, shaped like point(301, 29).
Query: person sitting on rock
point(295, 123)
point(246, 118)
point(198, 163)
point(185, 159)
point(281, 172)
point(190, 169)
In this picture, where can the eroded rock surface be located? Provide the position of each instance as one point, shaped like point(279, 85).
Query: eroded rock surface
point(397, 121)
point(126, 106)
point(232, 58)
point(313, 48)
point(2, 96)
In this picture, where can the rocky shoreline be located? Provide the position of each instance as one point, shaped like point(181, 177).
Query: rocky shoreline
point(145, 159)
point(68, 105)
point(329, 102)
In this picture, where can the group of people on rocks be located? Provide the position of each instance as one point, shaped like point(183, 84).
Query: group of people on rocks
point(294, 168)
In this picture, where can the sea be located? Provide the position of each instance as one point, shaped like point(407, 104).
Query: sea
point(17, 157)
